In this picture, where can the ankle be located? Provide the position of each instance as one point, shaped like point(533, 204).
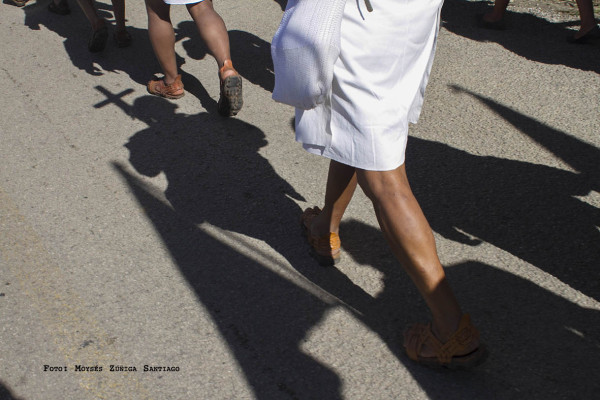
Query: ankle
point(227, 70)
point(444, 328)
point(99, 24)
point(323, 224)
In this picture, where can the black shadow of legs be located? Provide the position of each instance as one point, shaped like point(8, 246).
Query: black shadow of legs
point(137, 61)
point(262, 316)
point(525, 209)
point(216, 176)
point(527, 35)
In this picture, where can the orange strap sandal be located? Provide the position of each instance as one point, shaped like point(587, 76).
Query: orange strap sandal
point(158, 87)
point(325, 249)
point(450, 354)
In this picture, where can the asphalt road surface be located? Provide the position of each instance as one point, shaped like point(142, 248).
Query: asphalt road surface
point(160, 239)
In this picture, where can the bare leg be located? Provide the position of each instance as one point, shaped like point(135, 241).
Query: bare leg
point(498, 12)
point(88, 8)
point(341, 183)
point(213, 32)
point(412, 242)
point(162, 37)
point(119, 11)
point(586, 14)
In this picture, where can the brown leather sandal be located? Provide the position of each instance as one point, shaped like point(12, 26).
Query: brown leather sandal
point(450, 354)
point(158, 87)
point(325, 249)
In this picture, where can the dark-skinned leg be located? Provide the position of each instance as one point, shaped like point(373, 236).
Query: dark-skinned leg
point(341, 183)
point(213, 32)
point(408, 233)
point(162, 37)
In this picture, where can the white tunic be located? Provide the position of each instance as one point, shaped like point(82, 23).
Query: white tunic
point(378, 85)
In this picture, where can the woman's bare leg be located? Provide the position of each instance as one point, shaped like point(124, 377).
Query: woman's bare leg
point(341, 183)
point(212, 31)
point(119, 11)
point(586, 14)
point(408, 233)
point(162, 37)
point(89, 9)
point(498, 12)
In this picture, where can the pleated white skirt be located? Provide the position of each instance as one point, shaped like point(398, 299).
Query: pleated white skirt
point(378, 86)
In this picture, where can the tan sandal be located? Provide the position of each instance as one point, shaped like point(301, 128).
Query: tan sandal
point(325, 249)
point(158, 87)
point(452, 354)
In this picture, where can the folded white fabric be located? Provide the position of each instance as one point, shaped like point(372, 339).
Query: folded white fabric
point(304, 50)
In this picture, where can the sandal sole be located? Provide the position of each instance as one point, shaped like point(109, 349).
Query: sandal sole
point(231, 101)
point(98, 40)
point(458, 363)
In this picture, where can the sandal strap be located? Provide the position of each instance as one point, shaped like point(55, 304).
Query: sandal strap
point(458, 342)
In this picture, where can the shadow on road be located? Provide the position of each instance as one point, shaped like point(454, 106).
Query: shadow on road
point(528, 36)
point(531, 211)
point(5, 393)
point(251, 55)
point(535, 337)
point(216, 175)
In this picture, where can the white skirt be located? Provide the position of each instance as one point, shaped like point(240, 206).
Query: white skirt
point(378, 85)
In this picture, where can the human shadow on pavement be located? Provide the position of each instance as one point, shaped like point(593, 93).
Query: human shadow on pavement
point(262, 316)
point(525, 209)
point(216, 177)
point(137, 61)
point(75, 30)
point(5, 393)
point(527, 35)
point(531, 211)
point(251, 55)
point(541, 345)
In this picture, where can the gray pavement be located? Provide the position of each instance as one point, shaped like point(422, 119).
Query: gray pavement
point(136, 231)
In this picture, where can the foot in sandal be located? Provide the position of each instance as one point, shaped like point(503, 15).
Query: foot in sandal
point(325, 249)
point(461, 351)
point(230, 100)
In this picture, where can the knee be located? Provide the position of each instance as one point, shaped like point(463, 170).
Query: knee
point(383, 186)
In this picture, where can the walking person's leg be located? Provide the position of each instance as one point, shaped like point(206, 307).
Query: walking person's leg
point(322, 226)
point(212, 30)
point(162, 38)
point(410, 237)
point(497, 12)
point(214, 33)
point(588, 30)
point(121, 36)
point(97, 40)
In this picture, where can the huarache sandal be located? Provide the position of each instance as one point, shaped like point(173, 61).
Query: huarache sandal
point(230, 100)
point(62, 8)
point(158, 87)
point(325, 249)
point(122, 38)
point(453, 354)
point(98, 39)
